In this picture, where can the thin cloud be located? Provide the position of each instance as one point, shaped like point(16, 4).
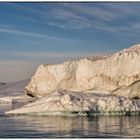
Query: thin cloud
point(123, 9)
point(93, 11)
point(99, 16)
point(6, 26)
point(103, 17)
point(69, 19)
point(78, 16)
point(12, 31)
point(23, 33)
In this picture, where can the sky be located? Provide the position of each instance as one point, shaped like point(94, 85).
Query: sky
point(35, 33)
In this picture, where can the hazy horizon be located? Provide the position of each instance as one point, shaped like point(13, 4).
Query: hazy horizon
point(35, 33)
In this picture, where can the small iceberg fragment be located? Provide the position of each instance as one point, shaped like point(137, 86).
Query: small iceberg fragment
point(5, 101)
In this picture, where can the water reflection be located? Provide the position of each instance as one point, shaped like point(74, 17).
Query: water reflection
point(4, 108)
point(42, 126)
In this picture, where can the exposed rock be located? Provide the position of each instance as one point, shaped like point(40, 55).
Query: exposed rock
point(116, 74)
point(74, 103)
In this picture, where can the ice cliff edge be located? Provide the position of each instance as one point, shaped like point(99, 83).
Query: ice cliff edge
point(117, 74)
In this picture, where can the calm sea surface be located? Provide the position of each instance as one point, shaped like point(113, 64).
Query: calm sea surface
point(67, 127)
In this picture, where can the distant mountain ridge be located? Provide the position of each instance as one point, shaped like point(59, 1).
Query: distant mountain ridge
point(13, 88)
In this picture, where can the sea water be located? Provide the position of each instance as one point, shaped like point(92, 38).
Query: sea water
point(68, 127)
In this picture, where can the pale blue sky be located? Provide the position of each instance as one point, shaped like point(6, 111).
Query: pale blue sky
point(34, 33)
